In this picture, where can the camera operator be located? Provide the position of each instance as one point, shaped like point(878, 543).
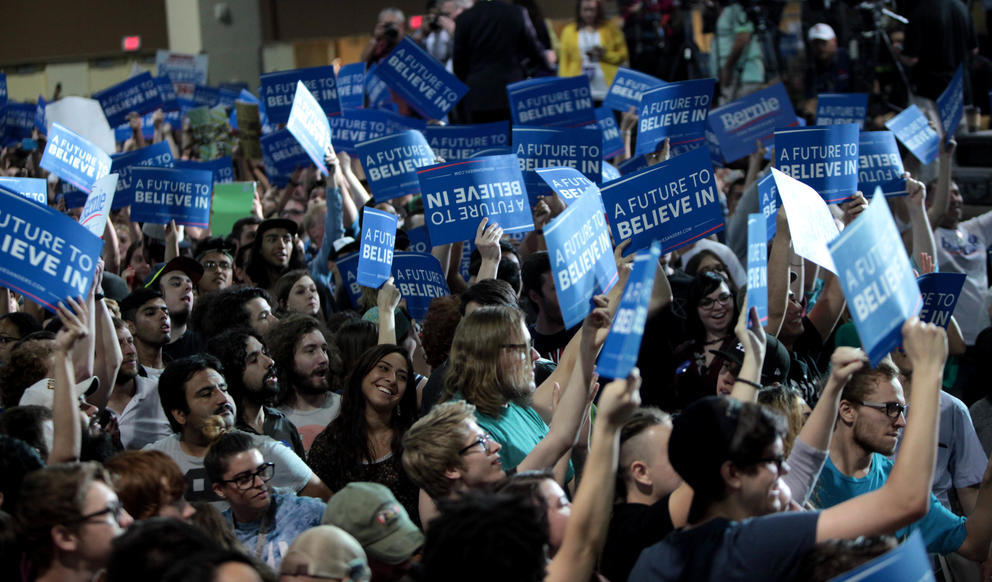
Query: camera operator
point(736, 54)
point(389, 30)
point(437, 34)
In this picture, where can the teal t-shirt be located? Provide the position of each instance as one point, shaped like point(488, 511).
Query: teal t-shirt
point(517, 429)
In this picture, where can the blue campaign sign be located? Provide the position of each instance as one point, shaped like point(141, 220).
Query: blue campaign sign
point(228, 97)
point(950, 104)
point(675, 202)
point(351, 86)
point(139, 94)
point(44, 254)
point(3, 89)
point(39, 116)
point(166, 92)
point(74, 158)
point(206, 96)
point(581, 254)
point(500, 151)
point(391, 163)
point(677, 111)
point(540, 147)
point(279, 88)
point(842, 108)
point(823, 158)
point(458, 194)
point(421, 80)
point(359, 125)
point(769, 203)
point(221, 168)
point(877, 278)
point(610, 172)
point(348, 267)
point(940, 292)
point(879, 164)
point(377, 90)
point(420, 240)
point(466, 259)
point(552, 102)
point(757, 265)
point(419, 280)
point(161, 195)
point(20, 121)
point(627, 87)
point(612, 140)
point(568, 183)
point(461, 142)
point(909, 561)
point(282, 154)
point(623, 344)
point(154, 156)
point(74, 197)
point(913, 130)
point(739, 124)
point(378, 243)
point(309, 125)
point(31, 188)
point(634, 164)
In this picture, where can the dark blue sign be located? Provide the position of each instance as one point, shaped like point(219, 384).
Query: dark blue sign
point(166, 92)
point(221, 168)
point(20, 121)
point(627, 88)
point(308, 124)
point(360, 125)
point(206, 96)
point(74, 158)
point(421, 80)
point(282, 154)
point(377, 91)
point(950, 104)
point(739, 124)
point(461, 142)
point(540, 147)
point(940, 292)
point(139, 94)
point(420, 241)
point(458, 195)
point(44, 254)
point(612, 140)
point(154, 156)
point(74, 197)
point(39, 116)
point(623, 344)
point(842, 108)
point(552, 102)
point(634, 164)
point(161, 195)
point(913, 130)
point(769, 203)
point(581, 255)
point(568, 183)
point(757, 265)
point(824, 158)
point(419, 280)
point(879, 164)
point(391, 163)
point(279, 88)
point(351, 86)
point(675, 202)
point(676, 111)
point(377, 246)
point(348, 268)
point(31, 188)
point(3, 89)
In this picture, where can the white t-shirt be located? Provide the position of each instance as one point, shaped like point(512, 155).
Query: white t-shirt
point(143, 420)
point(588, 40)
point(964, 251)
point(311, 423)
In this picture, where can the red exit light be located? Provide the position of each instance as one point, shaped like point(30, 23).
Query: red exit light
point(131, 43)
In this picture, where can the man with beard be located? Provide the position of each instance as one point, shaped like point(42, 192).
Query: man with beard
point(199, 409)
point(274, 252)
point(549, 332)
point(135, 397)
point(148, 320)
point(176, 280)
point(253, 385)
point(306, 367)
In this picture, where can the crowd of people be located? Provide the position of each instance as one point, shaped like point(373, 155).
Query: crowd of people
point(218, 408)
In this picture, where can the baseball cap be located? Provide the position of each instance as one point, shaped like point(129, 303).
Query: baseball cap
point(187, 265)
point(42, 392)
point(326, 551)
point(270, 223)
point(821, 31)
point(700, 441)
point(370, 513)
point(775, 367)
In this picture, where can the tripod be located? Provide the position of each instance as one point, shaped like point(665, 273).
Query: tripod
point(873, 43)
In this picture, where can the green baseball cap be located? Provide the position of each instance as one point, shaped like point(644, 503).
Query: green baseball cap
point(370, 513)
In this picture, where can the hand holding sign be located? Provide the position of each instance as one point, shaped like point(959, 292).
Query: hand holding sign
point(75, 324)
point(853, 208)
point(487, 241)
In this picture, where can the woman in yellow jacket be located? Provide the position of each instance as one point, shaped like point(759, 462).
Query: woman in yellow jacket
point(594, 46)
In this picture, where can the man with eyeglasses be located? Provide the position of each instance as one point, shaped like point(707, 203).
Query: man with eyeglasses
point(264, 521)
point(871, 416)
point(216, 256)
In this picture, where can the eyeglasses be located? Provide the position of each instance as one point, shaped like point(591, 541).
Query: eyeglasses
point(223, 265)
point(483, 441)
point(527, 347)
point(891, 409)
point(114, 508)
point(707, 302)
point(244, 481)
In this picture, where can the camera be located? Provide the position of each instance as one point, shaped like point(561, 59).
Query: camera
point(391, 32)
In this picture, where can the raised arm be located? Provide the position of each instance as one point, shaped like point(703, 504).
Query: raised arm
point(387, 300)
point(748, 381)
point(942, 195)
point(778, 273)
point(487, 241)
point(66, 432)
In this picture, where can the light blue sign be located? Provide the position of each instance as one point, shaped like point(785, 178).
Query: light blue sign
point(309, 125)
point(31, 188)
point(39, 116)
point(419, 280)
point(675, 202)
point(20, 122)
point(552, 102)
point(913, 130)
point(612, 140)
point(581, 255)
point(739, 124)
point(351, 86)
point(44, 254)
point(940, 292)
point(769, 203)
point(879, 164)
point(610, 172)
point(461, 142)
point(161, 195)
point(823, 158)
point(877, 279)
point(421, 80)
point(623, 344)
point(222, 169)
point(627, 87)
point(279, 88)
point(457, 195)
point(391, 163)
point(74, 158)
point(757, 265)
point(377, 246)
point(568, 183)
point(154, 156)
point(139, 94)
point(540, 147)
point(420, 241)
point(282, 154)
point(676, 111)
point(842, 108)
point(950, 104)
point(909, 561)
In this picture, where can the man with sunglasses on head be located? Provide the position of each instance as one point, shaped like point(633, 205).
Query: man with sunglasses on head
point(264, 521)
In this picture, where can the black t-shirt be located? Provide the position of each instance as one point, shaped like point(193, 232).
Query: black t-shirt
point(633, 527)
point(278, 426)
point(187, 345)
point(552, 345)
point(804, 372)
point(941, 36)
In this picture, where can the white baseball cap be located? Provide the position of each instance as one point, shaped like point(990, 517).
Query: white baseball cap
point(821, 31)
point(42, 392)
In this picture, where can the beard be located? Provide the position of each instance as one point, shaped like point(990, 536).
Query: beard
point(518, 387)
point(872, 443)
point(309, 383)
point(263, 394)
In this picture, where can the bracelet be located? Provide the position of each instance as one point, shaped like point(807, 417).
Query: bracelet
point(754, 385)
